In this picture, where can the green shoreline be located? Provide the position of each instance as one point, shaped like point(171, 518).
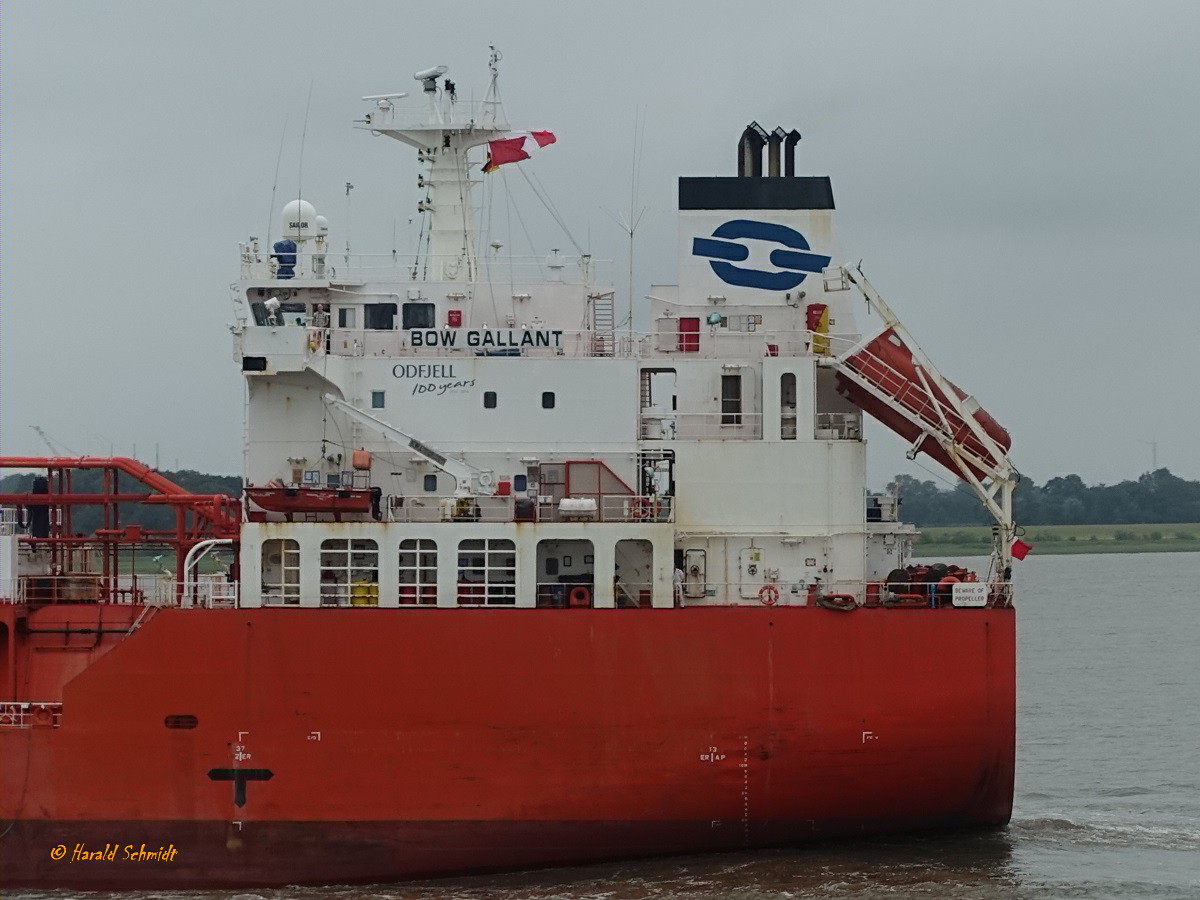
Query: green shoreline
point(976, 540)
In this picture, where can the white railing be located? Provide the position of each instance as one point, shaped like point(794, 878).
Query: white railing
point(845, 426)
point(770, 593)
point(210, 592)
point(700, 426)
point(721, 343)
point(660, 426)
point(315, 341)
point(128, 590)
point(608, 508)
point(399, 343)
point(576, 592)
point(42, 589)
point(393, 268)
point(840, 594)
point(387, 113)
point(26, 714)
point(579, 593)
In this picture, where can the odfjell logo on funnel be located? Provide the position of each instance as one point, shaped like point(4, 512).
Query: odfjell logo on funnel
point(790, 256)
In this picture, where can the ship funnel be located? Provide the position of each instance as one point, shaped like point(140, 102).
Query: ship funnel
point(781, 152)
point(774, 146)
point(750, 149)
point(789, 153)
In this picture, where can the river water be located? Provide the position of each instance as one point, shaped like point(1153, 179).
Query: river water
point(1108, 773)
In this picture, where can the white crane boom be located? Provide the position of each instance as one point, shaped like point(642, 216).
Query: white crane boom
point(468, 480)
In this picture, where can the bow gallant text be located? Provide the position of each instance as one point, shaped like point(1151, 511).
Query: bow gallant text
point(498, 339)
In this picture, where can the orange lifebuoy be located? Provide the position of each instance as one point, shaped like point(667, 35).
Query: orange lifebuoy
point(640, 508)
point(768, 595)
point(580, 596)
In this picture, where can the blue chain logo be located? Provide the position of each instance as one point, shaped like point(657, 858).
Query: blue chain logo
point(791, 257)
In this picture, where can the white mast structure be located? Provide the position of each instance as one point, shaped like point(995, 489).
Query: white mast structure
point(442, 135)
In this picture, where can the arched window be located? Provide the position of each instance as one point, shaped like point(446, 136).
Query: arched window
point(280, 572)
point(349, 572)
point(418, 572)
point(487, 572)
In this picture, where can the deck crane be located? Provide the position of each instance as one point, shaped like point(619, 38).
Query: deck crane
point(55, 447)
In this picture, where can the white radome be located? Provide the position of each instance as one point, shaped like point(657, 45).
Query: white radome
point(299, 220)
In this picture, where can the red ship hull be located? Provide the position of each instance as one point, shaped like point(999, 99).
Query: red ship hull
point(368, 745)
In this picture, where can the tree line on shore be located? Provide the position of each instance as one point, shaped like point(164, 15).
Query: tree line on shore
point(1154, 498)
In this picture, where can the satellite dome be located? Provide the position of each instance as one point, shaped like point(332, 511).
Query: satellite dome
point(299, 220)
point(322, 225)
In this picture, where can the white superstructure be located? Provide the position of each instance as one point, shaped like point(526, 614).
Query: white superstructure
point(419, 435)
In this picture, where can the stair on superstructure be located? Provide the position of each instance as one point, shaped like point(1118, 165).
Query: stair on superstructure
point(603, 326)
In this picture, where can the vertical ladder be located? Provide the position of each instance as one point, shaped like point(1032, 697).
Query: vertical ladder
point(645, 397)
point(603, 330)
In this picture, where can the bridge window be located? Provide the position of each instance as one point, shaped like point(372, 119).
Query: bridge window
point(349, 572)
point(377, 398)
point(281, 572)
point(487, 572)
point(430, 483)
point(380, 316)
point(416, 315)
point(418, 573)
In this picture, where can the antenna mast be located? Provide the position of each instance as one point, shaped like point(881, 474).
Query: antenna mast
point(349, 188)
point(442, 135)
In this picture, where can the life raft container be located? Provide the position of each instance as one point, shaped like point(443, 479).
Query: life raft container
point(838, 602)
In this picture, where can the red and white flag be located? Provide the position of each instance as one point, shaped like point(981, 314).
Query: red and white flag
point(514, 147)
point(1020, 549)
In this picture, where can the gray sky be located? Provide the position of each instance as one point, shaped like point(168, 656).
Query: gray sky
point(1021, 181)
